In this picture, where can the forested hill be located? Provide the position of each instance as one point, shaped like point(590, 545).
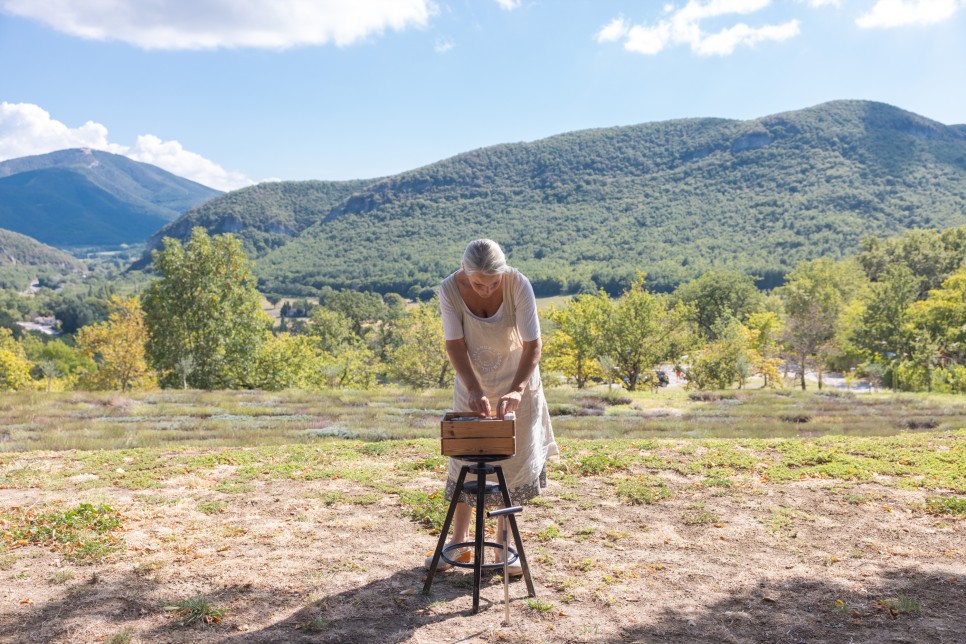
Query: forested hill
point(264, 216)
point(588, 209)
point(84, 197)
point(18, 250)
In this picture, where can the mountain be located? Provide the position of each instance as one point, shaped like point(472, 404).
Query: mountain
point(20, 250)
point(589, 209)
point(263, 216)
point(24, 259)
point(86, 197)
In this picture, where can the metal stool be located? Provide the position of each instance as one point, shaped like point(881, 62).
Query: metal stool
point(480, 488)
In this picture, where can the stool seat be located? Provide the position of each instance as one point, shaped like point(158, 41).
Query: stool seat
point(480, 488)
point(472, 487)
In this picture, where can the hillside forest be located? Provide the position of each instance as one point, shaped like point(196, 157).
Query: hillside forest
point(894, 314)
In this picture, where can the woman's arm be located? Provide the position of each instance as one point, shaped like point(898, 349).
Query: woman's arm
point(510, 401)
point(460, 359)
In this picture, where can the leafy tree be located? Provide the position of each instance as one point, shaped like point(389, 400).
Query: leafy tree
point(118, 348)
point(204, 307)
point(722, 361)
point(765, 328)
point(572, 346)
point(941, 317)
point(57, 362)
point(720, 295)
point(331, 330)
point(814, 296)
point(286, 361)
point(640, 330)
point(76, 311)
point(419, 359)
point(882, 328)
point(14, 366)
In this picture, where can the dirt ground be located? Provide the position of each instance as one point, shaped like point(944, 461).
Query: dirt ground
point(812, 561)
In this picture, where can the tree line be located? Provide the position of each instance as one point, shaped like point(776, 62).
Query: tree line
point(895, 314)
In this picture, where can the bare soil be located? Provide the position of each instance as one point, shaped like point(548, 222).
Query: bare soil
point(812, 561)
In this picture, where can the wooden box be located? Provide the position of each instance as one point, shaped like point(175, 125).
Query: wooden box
point(477, 437)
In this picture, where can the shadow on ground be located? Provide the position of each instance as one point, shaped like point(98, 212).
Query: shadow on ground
point(903, 605)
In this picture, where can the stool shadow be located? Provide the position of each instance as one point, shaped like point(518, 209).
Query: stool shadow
point(377, 611)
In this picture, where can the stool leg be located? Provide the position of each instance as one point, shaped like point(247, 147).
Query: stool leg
point(505, 491)
point(478, 538)
point(457, 492)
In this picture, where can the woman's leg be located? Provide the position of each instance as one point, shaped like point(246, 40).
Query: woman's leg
point(461, 523)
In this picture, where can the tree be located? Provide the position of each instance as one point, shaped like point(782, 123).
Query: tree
point(640, 330)
point(14, 366)
point(286, 361)
point(75, 312)
point(941, 317)
point(205, 307)
point(117, 346)
point(721, 362)
point(572, 346)
point(720, 295)
point(883, 326)
point(56, 361)
point(419, 358)
point(814, 295)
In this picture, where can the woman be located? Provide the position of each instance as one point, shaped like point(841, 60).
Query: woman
point(493, 341)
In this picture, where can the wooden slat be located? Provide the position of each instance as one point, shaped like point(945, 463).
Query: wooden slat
point(477, 429)
point(478, 446)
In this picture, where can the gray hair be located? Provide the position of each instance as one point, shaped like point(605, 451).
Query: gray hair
point(484, 256)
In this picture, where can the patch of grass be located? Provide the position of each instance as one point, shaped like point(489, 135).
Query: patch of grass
point(124, 637)
point(84, 534)
point(782, 519)
point(701, 518)
point(196, 610)
point(539, 605)
point(369, 498)
point(426, 508)
point(549, 533)
point(642, 489)
point(213, 507)
point(61, 577)
point(946, 505)
point(317, 625)
point(903, 605)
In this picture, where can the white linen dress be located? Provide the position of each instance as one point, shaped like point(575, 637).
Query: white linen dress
point(495, 348)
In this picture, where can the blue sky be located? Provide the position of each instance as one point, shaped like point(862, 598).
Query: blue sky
point(230, 93)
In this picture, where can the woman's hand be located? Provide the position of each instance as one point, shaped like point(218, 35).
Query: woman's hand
point(480, 404)
point(509, 403)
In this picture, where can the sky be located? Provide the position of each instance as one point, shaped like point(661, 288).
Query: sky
point(231, 93)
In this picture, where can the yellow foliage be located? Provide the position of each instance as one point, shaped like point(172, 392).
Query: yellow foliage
point(117, 346)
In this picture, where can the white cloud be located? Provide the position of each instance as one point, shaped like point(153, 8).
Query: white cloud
point(509, 5)
point(27, 129)
point(683, 27)
point(822, 3)
point(901, 13)
point(443, 45)
point(727, 40)
point(171, 156)
point(613, 30)
point(211, 24)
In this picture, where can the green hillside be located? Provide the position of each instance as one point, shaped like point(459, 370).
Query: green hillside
point(588, 209)
point(264, 216)
point(23, 259)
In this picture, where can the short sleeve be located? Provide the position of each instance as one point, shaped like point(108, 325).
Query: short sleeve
point(452, 322)
point(526, 309)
